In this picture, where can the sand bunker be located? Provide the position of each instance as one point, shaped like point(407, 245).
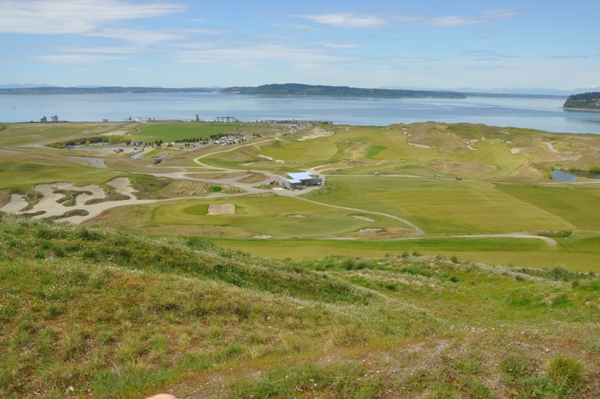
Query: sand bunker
point(297, 216)
point(515, 150)
point(221, 209)
point(370, 230)
point(366, 219)
point(420, 145)
point(49, 205)
point(316, 133)
point(271, 159)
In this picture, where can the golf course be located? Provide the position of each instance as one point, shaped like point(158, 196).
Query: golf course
point(478, 192)
point(413, 261)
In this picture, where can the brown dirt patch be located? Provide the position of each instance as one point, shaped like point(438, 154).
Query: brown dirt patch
point(254, 177)
point(529, 173)
point(463, 168)
point(444, 141)
point(4, 197)
point(357, 151)
point(221, 209)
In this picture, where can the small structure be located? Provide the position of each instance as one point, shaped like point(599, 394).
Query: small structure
point(300, 180)
point(227, 119)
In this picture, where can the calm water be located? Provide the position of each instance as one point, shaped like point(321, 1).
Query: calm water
point(560, 175)
point(543, 114)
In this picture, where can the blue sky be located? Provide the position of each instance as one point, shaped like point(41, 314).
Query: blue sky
point(184, 43)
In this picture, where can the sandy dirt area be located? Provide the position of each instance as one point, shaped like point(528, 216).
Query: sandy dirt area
point(420, 145)
point(221, 209)
point(316, 133)
point(51, 207)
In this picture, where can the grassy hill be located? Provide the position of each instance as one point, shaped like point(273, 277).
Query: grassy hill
point(95, 311)
point(296, 89)
point(584, 101)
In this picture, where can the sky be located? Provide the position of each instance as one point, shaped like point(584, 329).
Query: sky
point(377, 43)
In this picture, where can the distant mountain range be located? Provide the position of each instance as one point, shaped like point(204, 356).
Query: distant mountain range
point(297, 89)
point(539, 91)
point(102, 90)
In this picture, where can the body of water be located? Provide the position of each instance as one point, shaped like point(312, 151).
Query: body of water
point(561, 175)
point(534, 113)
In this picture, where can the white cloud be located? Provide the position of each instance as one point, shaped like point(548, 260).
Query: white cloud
point(74, 16)
point(346, 20)
point(487, 54)
point(249, 54)
point(76, 58)
point(456, 20)
point(339, 45)
point(140, 37)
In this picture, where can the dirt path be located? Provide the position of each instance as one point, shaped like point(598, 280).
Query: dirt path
point(406, 222)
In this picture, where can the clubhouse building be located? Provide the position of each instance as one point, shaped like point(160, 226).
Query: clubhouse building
point(300, 180)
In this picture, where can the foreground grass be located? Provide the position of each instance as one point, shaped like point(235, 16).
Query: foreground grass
point(86, 310)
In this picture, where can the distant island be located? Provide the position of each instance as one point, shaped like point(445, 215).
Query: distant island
point(585, 101)
point(296, 89)
point(102, 90)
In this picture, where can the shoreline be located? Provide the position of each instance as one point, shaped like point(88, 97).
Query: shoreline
point(580, 109)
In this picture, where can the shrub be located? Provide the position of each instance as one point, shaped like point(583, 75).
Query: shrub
point(566, 371)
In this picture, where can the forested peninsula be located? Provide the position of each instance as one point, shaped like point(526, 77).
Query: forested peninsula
point(296, 89)
point(589, 101)
point(103, 90)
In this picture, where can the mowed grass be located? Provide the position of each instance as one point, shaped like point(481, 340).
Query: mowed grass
point(24, 176)
point(274, 216)
point(576, 204)
point(168, 132)
point(578, 252)
point(31, 133)
point(441, 206)
point(305, 152)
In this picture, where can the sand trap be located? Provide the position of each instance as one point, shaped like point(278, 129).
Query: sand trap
point(515, 150)
point(17, 202)
point(50, 207)
point(371, 230)
point(551, 148)
point(221, 209)
point(297, 216)
point(366, 219)
point(420, 145)
point(316, 133)
point(271, 159)
point(262, 237)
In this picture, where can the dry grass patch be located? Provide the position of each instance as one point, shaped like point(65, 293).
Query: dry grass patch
point(253, 177)
point(462, 168)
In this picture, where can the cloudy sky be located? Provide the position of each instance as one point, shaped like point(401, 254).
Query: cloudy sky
point(185, 43)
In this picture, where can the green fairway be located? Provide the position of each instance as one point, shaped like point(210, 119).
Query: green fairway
point(30, 133)
point(168, 132)
point(274, 216)
point(577, 205)
point(580, 253)
point(23, 176)
point(441, 206)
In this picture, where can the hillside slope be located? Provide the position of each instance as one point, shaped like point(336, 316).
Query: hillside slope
point(584, 101)
point(115, 315)
point(296, 89)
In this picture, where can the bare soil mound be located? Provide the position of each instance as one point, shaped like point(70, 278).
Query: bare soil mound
point(463, 168)
point(221, 209)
